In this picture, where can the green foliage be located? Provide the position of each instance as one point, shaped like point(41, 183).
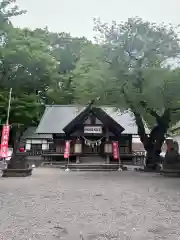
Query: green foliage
point(26, 65)
point(9, 8)
point(25, 109)
point(44, 67)
point(26, 62)
point(90, 75)
point(135, 54)
point(67, 51)
point(37, 65)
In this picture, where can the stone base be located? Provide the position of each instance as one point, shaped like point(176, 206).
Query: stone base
point(171, 170)
point(124, 168)
point(17, 172)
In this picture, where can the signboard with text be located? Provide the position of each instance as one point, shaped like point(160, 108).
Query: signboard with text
point(4, 141)
point(93, 129)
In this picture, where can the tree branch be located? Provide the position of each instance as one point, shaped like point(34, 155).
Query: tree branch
point(138, 119)
point(149, 110)
point(139, 59)
point(175, 110)
point(141, 129)
point(163, 120)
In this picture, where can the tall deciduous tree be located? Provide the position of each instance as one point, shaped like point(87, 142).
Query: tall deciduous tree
point(140, 56)
point(91, 76)
point(67, 51)
point(27, 66)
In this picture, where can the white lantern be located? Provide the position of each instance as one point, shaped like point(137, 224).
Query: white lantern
point(78, 147)
point(45, 146)
point(108, 147)
point(28, 146)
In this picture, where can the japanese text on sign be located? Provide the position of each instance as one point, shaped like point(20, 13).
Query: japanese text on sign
point(4, 141)
point(67, 149)
point(115, 150)
point(93, 129)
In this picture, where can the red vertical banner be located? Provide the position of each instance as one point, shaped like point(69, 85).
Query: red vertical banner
point(115, 150)
point(67, 149)
point(4, 141)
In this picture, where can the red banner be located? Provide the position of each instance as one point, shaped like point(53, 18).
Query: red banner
point(4, 141)
point(115, 150)
point(67, 149)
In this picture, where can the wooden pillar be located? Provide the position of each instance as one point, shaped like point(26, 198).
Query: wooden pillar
point(106, 151)
point(107, 156)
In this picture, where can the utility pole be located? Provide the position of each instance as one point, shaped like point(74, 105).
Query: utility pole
point(9, 106)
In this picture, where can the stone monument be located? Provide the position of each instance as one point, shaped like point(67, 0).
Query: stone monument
point(171, 163)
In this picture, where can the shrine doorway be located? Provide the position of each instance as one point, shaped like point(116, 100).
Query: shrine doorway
point(92, 145)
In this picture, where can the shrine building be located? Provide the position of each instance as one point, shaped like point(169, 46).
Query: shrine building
point(90, 130)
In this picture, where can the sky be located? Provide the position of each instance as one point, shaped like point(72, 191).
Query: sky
point(76, 16)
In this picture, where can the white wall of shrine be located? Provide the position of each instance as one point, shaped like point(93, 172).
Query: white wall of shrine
point(29, 142)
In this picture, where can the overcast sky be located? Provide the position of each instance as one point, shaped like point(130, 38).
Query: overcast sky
point(76, 16)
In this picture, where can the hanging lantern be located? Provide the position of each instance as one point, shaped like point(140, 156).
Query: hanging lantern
point(78, 147)
point(108, 147)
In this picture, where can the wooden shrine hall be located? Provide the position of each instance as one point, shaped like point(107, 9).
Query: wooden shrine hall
point(91, 131)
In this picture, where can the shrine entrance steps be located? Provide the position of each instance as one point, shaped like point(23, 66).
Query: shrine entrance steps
point(82, 166)
point(92, 159)
point(93, 167)
point(93, 163)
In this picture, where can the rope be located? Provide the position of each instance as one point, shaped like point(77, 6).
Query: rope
point(92, 143)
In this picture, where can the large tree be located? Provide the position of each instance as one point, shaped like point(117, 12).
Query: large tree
point(140, 56)
point(91, 76)
point(67, 51)
point(28, 67)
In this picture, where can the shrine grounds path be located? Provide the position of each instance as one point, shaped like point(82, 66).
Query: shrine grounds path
point(53, 204)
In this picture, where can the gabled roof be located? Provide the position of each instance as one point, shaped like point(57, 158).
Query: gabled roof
point(56, 117)
point(30, 133)
point(105, 118)
point(80, 117)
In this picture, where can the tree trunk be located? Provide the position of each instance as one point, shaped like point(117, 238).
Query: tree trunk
point(152, 142)
point(152, 158)
point(153, 147)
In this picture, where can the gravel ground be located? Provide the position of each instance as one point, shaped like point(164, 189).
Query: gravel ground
point(53, 204)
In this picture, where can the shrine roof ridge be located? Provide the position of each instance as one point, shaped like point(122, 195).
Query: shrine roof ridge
point(56, 117)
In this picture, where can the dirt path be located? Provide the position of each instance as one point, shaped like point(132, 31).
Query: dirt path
point(53, 204)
